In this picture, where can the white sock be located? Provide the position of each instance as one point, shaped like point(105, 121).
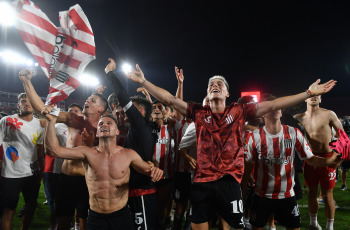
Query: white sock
point(270, 228)
point(313, 219)
point(330, 223)
point(77, 226)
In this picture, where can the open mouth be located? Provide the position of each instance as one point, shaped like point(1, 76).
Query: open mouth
point(86, 106)
point(104, 130)
point(215, 91)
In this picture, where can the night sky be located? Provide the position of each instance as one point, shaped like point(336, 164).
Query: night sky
point(278, 48)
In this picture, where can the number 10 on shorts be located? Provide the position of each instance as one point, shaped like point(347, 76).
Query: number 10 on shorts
point(237, 206)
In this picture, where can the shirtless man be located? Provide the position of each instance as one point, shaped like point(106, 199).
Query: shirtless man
point(318, 123)
point(107, 173)
point(220, 159)
point(72, 169)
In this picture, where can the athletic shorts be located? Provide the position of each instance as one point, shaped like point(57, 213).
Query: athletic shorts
point(286, 211)
point(182, 186)
point(222, 196)
point(144, 211)
point(345, 165)
point(120, 219)
point(50, 185)
point(72, 193)
point(325, 176)
point(12, 187)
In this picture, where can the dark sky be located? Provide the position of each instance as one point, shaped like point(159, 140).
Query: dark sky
point(277, 48)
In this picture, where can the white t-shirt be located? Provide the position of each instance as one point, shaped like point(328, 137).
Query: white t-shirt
point(19, 139)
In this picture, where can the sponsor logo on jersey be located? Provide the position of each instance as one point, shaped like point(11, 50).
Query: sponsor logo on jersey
point(277, 160)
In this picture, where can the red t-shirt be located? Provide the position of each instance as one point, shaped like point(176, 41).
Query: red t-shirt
point(219, 140)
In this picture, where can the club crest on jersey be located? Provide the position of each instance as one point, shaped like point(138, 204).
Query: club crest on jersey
point(229, 119)
point(275, 161)
point(288, 143)
point(207, 119)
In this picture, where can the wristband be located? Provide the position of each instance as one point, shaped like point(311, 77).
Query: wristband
point(143, 82)
point(308, 93)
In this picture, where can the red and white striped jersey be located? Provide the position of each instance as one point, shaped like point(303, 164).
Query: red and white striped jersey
point(162, 151)
point(62, 52)
point(273, 157)
point(179, 130)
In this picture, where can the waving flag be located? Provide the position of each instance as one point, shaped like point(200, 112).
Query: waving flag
point(62, 52)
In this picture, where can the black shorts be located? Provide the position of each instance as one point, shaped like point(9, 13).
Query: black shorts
point(182, 186)
point(345, 165)
point(144, 211)
point(120, 219)
point(12, 187)
point(286, 211)
point(222, 196)
point(72, 193)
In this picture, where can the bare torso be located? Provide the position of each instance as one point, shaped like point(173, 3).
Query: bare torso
point(107, 178)
point(76, 126)
point(318, 129)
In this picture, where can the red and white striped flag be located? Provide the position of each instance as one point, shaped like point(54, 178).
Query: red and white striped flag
point(62, 52)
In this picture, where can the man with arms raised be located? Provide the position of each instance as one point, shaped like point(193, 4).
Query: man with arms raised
point(270, 150)
point(72, 169)
point(107, 173)
point(220, 155)
point(318, 123)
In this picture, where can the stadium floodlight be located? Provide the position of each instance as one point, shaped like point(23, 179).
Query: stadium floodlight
point(36, 64)
point(89, 80)
point(126, 68)
point(7, 14)
point(14, 58)
point(29, 62)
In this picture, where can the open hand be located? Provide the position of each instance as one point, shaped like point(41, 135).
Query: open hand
point(136, 75)
point(319, 89)
point(179, 75)
point(156, 173)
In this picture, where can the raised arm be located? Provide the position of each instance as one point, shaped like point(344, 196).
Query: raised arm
point(159, 93)
point(143, 167)
point(55, 149)
point(179, 92)
point(284, 102)
point(26, 75)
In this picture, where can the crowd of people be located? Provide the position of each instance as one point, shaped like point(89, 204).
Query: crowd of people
point(124, 162)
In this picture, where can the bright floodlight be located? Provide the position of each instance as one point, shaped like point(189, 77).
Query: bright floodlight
point(36, 64)
point(7, 14)
point(29, 62)
point(88, 80)
point(126, 68)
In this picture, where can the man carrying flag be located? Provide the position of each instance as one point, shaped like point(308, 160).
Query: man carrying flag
point(63, 53)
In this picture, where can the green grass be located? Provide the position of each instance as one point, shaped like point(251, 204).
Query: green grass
point(41, 219)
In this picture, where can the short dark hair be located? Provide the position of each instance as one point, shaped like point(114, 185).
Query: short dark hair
point(144, 103)
point(112, 100)
point(267, 97)
point(75, 105)
point(113, 118)
point(103, 100)
point(21, 95)
point(245, 100)
point(157, 102)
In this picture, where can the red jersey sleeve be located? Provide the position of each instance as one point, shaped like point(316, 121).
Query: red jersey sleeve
point(192, 109)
